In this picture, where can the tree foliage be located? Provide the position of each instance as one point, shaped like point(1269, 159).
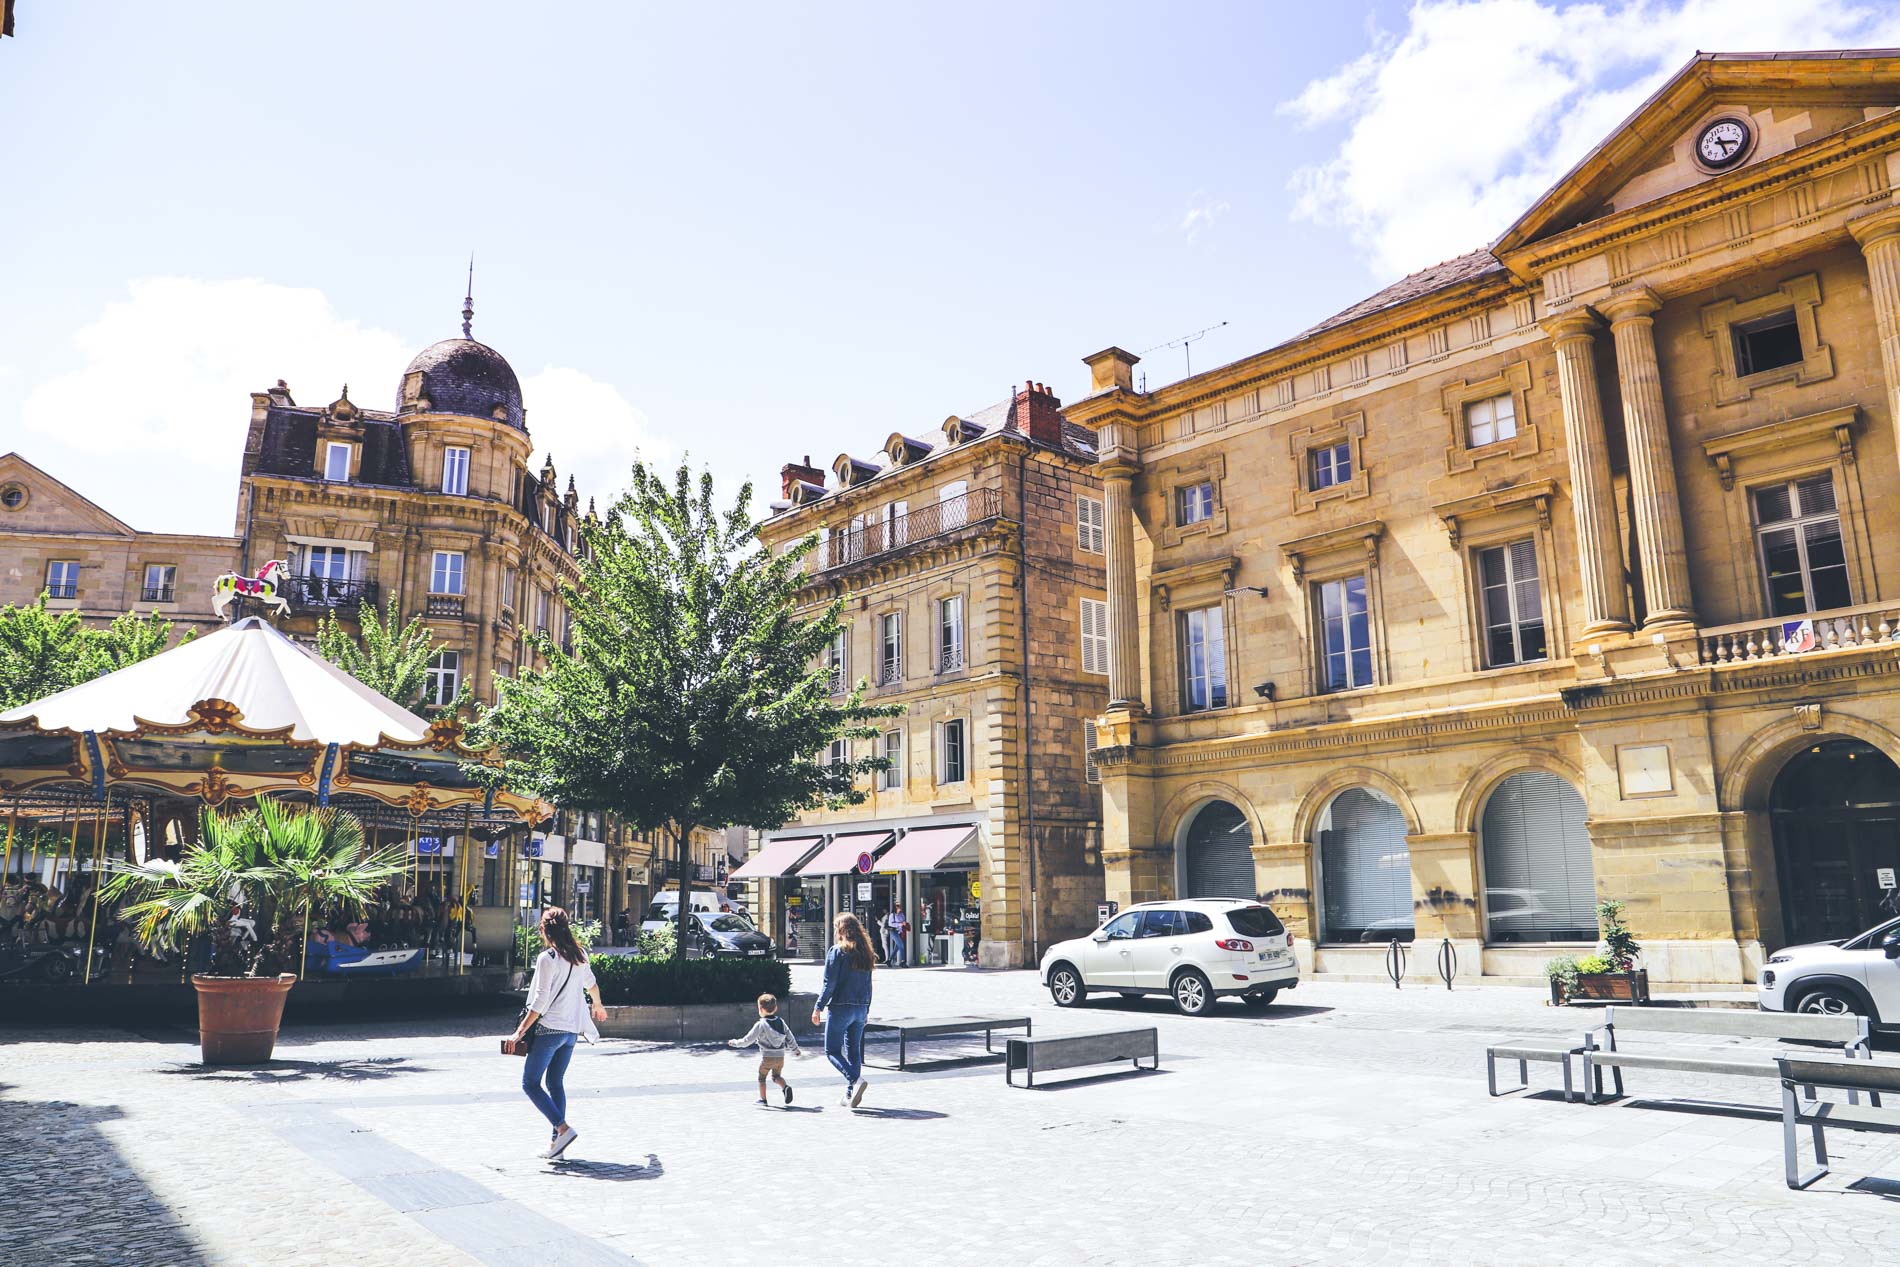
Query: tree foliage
point(44, 652)
point(389, 657)
point(131, 638)
point(695, 694)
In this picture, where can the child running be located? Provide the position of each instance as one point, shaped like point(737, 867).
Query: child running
point(774, 1038)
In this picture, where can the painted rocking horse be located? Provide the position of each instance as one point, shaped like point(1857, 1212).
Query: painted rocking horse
point(264, 588)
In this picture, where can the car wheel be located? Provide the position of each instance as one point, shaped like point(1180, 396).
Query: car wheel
point(1193, 995)
point(56, 968)
point(1260, 1000)
point(1831, 1000)
point(1066, 987)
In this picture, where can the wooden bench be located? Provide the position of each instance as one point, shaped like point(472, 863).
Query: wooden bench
point(1072, 1051)
point(1848, 1033)
point(937, 1027)
point(1851, 1076)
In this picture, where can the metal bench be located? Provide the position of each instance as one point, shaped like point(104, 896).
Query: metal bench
point(1851, 1076)
point(937, 1027)
point(1523, 1053)
point(1848, 1032)
point(1072, 1051)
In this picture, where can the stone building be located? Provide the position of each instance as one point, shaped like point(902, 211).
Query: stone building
point(85, 559)
point(1549, 574)
point(970, 562)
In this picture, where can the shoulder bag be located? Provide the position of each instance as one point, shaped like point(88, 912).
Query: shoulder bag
point(521, 1046)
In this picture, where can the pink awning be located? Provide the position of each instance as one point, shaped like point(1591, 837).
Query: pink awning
point(925, 848)
point(775, 858)
point(840, 857)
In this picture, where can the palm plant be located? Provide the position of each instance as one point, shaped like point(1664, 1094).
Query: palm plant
point(280, 865)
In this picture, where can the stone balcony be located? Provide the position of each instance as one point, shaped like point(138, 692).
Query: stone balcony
point(872, 541)
point(1843, 628)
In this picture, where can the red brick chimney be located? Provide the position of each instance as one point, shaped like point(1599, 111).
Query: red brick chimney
point(792, 474)
point(1038, 414)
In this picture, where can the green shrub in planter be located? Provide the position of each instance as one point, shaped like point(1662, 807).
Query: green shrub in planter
point(644, 982)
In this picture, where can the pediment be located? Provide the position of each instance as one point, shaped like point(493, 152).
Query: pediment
point(1782, 103)
point(50, 506)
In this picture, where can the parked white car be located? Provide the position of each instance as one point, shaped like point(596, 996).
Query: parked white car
point(1859, 976)
point(1194, 950)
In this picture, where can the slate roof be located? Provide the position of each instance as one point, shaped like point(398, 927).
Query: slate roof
point(290, 447)
point(1463, 268)
point(461, 376)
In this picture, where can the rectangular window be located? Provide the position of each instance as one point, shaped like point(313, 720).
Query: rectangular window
point(1091, 521)
point(1094, 636)
point(446, 577)
point(952, 757)
point(953, 505)
point(1803, 565)
point(838, 755)
point(542, 603)
point(444, 678)
point(834, 663)
point(1345, 634)
point(892, 776)
point(1767, 343)
point(1203, 661)
point(1513, 604)
point(455, 472)
point(507, 587)
point(1489, 421)
point(1090, 771)
point(1329, 466)
point(161, 583)
point(821, 557)
point(62, 578)
point(336, 462)
point(896, 524)
point(949, 634)
point(890, 649)
point(1193, 503)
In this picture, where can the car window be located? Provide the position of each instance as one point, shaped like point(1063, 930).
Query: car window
point(659, 910)
point(1123, 925)
point(732, 924)
point(1255, 921)
point(1161, 923)
point(1197, 922)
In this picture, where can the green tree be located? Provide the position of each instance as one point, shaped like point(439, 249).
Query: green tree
point(131, 638)
point(390, 658)
point(42, 652)
point(695, 695)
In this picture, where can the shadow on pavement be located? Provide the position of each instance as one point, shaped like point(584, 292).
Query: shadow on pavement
point(613, 1171)
point(1118, 1075)
point(900, 1115)
point(1156, 1005)
point(374, 1070)
point(79, 1198)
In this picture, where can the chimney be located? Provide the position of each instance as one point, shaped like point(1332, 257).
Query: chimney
point(792, 474)
point(1109, 369)
point(1037, 414)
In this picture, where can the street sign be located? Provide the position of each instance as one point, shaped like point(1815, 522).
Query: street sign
point(534, 846)
point(1885, 876)
point(583, 887)
point(864, 892)
point(864, 865)
point(493, 850)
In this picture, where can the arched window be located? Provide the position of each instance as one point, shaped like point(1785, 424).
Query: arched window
point(1219, 850)
point(1539, 882)
point(1365, 869)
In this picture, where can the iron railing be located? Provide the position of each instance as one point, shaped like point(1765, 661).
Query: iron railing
point(890, 673)
point(69, 589)
point(157, 593)
point(321, 593)
point(950, 659)
point(838, 683)
point(847, 546)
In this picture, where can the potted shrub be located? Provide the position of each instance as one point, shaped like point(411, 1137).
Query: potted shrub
point(276, 867)
point(1611, 976)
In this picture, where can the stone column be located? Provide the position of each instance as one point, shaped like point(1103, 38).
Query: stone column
point(1652, 464)
point(1592, 499)
point(1879, 238)
point(1124, 634)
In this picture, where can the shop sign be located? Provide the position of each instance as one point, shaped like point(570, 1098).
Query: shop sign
point(527, 893)
point(864, 892)
point(534, 845)
point(583, 887)
point(976, 887)
point(428, 844)
point(1885, 877)
point(794, 901)
point(493, 850)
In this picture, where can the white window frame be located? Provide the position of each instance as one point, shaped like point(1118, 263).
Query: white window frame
point(1214, 657)
point(838, 753)
point(508, 588)
point(331, 450)
point(1091, 524)
point(449, 569)
point(1507, 550)
point(838, 660)
point(62, 575)
point(891, 779)
point(1798, 522)
point(1323, 681)
point(1193, 503)
point(952, 647)
point(1329, 465)
point(959, 727)
point(1093, 616)
point(443, 678)
point(896, 519)
point(167, 585)
point(1494, 427)
point(454, 473)
point(953, 516)
point(890, 648)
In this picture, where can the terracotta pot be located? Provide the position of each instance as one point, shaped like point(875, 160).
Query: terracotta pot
point(238, 1017)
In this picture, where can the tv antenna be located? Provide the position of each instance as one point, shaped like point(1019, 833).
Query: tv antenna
point(1183, 343)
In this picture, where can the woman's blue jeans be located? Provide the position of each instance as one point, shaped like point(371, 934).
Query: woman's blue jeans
point(548, 1059)
point(844, 1040)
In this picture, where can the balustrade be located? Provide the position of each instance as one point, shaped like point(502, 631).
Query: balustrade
point(1870, 624)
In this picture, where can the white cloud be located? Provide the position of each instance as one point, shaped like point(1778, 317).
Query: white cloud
point(1454, 127)
point(1201, 216)
point(590, 429)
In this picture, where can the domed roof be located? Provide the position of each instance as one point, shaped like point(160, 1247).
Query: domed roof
point(461, 376)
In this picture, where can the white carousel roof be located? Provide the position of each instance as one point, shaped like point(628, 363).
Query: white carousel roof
point(271, 681)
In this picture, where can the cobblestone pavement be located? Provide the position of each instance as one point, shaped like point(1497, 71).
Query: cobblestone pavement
point(1349, 1125)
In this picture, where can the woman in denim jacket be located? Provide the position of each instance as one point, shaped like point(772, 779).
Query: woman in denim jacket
point(847, 992)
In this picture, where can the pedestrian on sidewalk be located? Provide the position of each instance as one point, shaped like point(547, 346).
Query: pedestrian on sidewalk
point(773, 1036)
point(563, 1004)
point(847, 992)
point(898, 928)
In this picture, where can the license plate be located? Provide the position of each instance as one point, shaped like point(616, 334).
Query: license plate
point(755, 952)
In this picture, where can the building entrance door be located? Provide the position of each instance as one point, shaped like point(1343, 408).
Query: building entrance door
point(1836, 814)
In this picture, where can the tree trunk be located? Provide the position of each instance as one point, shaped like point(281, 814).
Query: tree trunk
point(682, 834)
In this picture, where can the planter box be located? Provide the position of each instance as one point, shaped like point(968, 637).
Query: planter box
point(1605, 987)
point(701, 1022)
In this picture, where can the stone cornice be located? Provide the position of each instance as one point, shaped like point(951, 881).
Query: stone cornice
point(992, 537)
point(1839, 424)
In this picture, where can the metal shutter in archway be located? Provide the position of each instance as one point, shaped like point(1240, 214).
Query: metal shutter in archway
point(1219, 853)
point(1539, 879)
point(1365, 869)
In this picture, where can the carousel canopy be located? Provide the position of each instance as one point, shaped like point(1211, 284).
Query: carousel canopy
point(266, 679)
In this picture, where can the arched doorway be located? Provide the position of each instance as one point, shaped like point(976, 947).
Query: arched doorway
point(1219, 853)
point(1539, 879)
point(1835, 810)
point(1365, 869)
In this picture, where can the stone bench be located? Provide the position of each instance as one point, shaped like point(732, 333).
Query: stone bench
point(1851, 1076)
point(936, 1027)
point(1848, 1033)
point(1073, 1051)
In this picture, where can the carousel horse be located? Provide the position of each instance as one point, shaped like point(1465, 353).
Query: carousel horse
point(263, 588)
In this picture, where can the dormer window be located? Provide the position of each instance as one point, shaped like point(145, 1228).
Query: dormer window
point(336, 462)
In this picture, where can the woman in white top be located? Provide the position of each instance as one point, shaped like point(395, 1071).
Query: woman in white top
point(565, 999)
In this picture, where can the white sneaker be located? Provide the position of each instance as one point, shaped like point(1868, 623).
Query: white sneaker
point(857, 1091)
point(561, 1140)
point(845, 1099)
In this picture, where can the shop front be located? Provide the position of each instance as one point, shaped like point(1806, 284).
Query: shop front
point(789, 909)
point(845, 871)
point(586, 879)
point(542, 873)
point(933, 872)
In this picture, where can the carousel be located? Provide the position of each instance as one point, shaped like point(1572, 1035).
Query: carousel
point(122, 766)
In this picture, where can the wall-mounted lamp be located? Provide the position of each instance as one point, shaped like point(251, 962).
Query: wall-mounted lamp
point(1265, 691)
point(1247, 589)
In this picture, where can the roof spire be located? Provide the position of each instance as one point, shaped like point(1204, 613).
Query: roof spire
point(468, 302)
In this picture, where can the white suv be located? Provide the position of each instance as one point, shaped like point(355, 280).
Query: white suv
point(1859, 976)
point(1193, 950)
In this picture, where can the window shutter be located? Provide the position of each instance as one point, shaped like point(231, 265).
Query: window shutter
point(1539, 877)
point(1365, 869)
point(1090, 771)
point(1219, 853)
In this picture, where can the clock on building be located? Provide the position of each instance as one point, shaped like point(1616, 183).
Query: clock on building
point(1723, 143)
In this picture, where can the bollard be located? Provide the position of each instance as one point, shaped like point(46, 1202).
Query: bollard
point(1395, 962)
point(1447, 961)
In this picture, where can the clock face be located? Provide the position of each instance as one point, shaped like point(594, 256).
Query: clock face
point(1722, 143)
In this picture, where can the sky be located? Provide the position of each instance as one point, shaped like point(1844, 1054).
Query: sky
point(741, 234)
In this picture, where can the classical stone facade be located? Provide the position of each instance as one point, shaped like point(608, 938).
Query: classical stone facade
point(1550, 574)
point(971, 564)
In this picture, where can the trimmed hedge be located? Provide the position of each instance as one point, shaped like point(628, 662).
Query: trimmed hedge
point(637, 980)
